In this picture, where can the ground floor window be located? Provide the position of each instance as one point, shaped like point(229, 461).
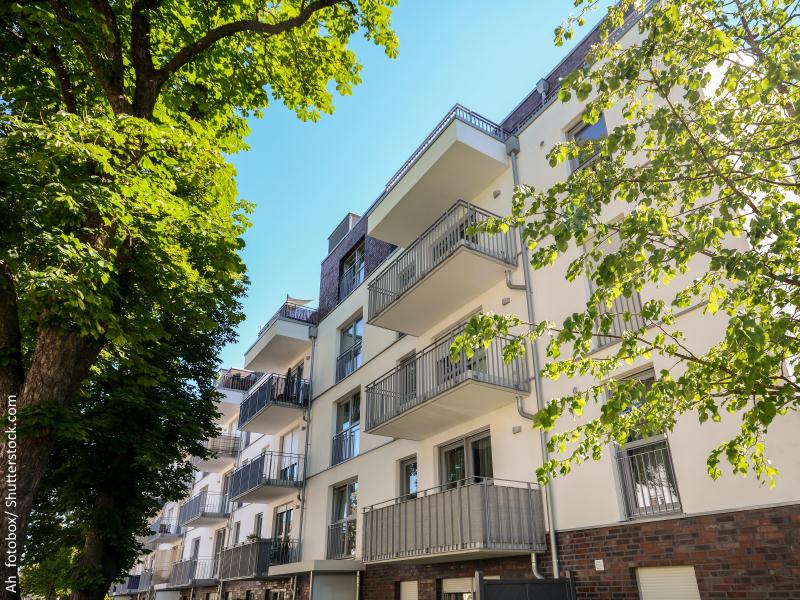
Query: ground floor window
point(276, 595)
point(459, 588)
point(674, 583)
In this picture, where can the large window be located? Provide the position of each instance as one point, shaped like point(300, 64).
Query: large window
point(346, 439)
point(466, 460)
point(647, 476)
point(342, 530)
point(584, 134)
point(258, 522)
point(349, 348)
point(408, 477)
point(352, 271)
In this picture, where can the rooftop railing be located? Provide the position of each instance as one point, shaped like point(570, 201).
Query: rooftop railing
point(472, 514)
point(457, 113)
point(449, 233)
point(270, 468)
point(204, 504)
point(275, 389)
point(431, 372)
point(294, 312)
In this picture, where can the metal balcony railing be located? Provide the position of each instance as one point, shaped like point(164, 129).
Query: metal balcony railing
point(145, 580)
point(161, 574)
point(434, 246)
point(473, 514)
point(457, 113)
point(348, 361)
point(431, 372)
point(227, 444)
point(341, 539)
point(164, 527)
point(204, 504)
point(271, 468)
point(619, 307)
point(294, 312)
point(238, 380)
point(351, 279)
point(253, 559)
point(647, 479)
point(186, 572)
point(345, 444)
point(275, 389)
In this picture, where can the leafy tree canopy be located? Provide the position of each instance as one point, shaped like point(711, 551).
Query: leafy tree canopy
point(702, 166)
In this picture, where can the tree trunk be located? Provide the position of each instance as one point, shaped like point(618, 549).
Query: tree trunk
point(60, 362)
point(98, 556)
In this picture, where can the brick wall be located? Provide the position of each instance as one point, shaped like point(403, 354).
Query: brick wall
point(752, 555)
point(259, 587)
point(375, 252)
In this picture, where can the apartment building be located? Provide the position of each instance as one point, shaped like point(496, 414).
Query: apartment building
point(359, 461)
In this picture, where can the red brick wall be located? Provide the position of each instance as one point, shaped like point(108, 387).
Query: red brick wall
point(752, 555)
point(258, 588)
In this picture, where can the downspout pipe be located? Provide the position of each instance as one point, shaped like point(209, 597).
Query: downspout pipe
point(512, 148)
point(312, 333)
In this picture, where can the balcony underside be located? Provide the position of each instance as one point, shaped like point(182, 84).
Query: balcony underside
point(273, 418)
point(460, 163)
point(266, 492)
point(163, 538)
point(216, 465)
point(461, 277)
point(278, 346)
point(194, 583)
point(207, 520)
point(229, 404)
point(450, 556)
point(462, 403)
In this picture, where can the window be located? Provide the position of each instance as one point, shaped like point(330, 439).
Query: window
point(346, 439)
point(409, 590)
point(276, 595)
point(195, 548)
point(407, 372)
point(467, 459)
point(342, 530)
point(351, 271)
point(408, 477)
point(646, 473)
point(586, 134)
point(219, 541)
point(349, 348)
point(237, 527)
point(290, 456)
point(283, 522)
point(248, 595)
point(675, 583)
point(459, 588)
point(258, 521)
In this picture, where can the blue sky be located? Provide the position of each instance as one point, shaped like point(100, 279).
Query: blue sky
point(304, 177)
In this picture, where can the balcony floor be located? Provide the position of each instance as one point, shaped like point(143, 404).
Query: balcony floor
point(207, 520)
point(266, 493)
point(462, 276)
point(272, 419)
point(216, 465)
point(462, 403)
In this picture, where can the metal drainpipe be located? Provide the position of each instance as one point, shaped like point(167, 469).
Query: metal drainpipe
point(312, 333)
point(512, 147)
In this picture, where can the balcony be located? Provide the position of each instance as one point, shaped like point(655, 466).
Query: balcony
point(462, 155)
point(647, 479)
point(345, 444)
point(440, 271)
point(341, 542)
point(165, 530)
point(349, 361)
point(476, 517)
point(224, 449)
point(206, 508)
point(233, 384)
point(132, 584)
point(282, 339)
point(622, 306)
point(253, 559)
point(268, 477)
point(274, 404)
point(194, 572)
point(429, 393)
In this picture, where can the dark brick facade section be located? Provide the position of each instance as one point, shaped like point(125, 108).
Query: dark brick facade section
point(749, 555)
point(375, 252)
point(259, 588)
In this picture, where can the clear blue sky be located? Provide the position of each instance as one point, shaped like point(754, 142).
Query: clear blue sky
point(304, 177)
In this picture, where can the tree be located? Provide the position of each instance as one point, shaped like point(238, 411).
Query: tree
point(125, 456)
point(703, 165)
point(118, 205)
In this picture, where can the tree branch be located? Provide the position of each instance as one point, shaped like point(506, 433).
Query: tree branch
point(12, 375)
point(64, 81)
